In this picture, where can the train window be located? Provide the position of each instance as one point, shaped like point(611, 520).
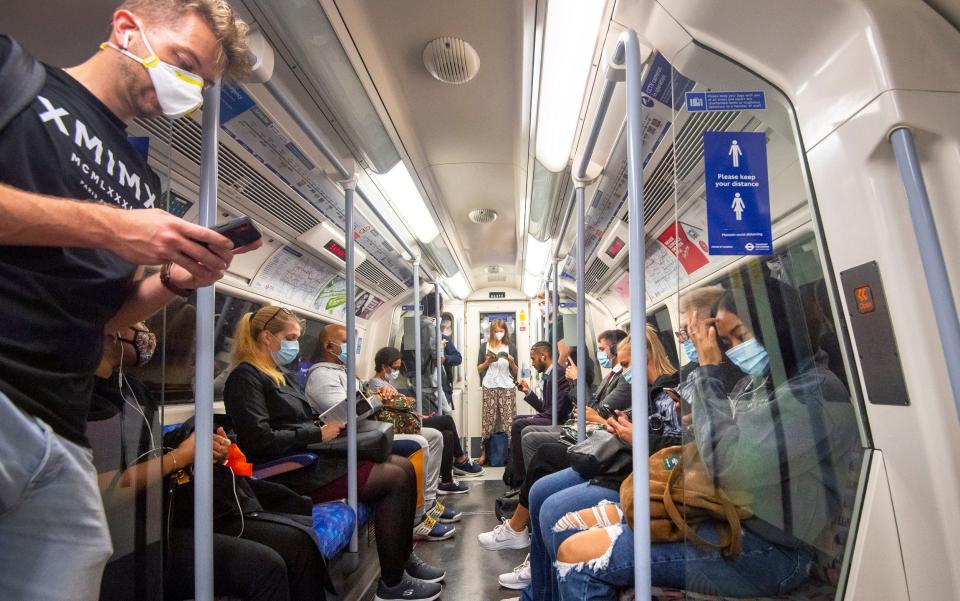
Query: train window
point(770, 406)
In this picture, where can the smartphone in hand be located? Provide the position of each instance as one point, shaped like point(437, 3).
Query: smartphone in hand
point(240, 231)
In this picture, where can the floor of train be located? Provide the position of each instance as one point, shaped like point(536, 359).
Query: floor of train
point(471, 571)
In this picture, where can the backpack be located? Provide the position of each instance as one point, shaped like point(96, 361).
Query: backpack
point(22, 75)
point(401, 413)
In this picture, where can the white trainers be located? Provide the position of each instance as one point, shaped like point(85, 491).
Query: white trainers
point(519, 578)
point(504, 537)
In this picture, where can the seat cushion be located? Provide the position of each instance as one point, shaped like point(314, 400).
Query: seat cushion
point(268, 469)
point(333, 523)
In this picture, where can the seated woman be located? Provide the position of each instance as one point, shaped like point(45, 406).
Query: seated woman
point(273, 419)
point(271, 562)
point(551, 463)
point(387, 364)
point(778, 441)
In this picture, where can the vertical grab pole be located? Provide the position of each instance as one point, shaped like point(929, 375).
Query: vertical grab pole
point(638, 298)
point(441, 395)
point(581, 316)
point(931, 254)
point(555, 291)
point(416, 334)
point(349, 191)
point(203, 467)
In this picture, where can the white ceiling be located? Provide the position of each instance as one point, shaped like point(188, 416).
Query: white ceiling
point(467, 143)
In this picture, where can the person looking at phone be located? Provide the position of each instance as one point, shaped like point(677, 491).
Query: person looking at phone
point(70, 257)
point(498, 371)
point(273, 419)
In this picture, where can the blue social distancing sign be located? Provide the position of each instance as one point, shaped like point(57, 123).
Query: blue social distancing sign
point(738, 193)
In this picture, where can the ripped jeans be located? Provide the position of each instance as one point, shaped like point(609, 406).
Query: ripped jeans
point(551, 498)
point(762, 569)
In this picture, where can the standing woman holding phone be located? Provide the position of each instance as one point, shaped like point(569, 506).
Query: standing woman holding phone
point(498, 372)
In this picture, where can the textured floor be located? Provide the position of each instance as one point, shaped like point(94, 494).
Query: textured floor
point(471, 571)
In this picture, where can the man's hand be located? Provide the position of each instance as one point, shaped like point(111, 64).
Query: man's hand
point(331, 431)
point(571, 372)
point(523, 386)
point(590, 414)
point(153, 236)
point(703, 333)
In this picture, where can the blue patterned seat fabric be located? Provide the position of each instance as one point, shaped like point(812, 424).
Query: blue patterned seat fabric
point(333, 523)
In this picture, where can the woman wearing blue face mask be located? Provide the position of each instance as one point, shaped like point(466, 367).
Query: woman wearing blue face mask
point(273, 419)
point(781, 436)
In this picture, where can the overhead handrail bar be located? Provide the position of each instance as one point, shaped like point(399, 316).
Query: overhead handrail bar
point(203, 365)
point(931, 254)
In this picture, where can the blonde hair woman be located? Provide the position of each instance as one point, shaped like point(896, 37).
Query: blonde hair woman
point(498, 373)
point(273, 420)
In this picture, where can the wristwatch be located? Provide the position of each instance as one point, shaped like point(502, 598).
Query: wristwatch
point(168, 283)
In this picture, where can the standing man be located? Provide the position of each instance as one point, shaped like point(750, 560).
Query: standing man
point(428, 354)
point(542, 360)
point(451, 359)
point(70, 257)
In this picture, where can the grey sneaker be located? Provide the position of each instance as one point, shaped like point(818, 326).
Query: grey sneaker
point(408, 589)
point(421, 570)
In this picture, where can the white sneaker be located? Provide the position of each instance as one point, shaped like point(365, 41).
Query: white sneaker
point(504, 537)
point(519, 578)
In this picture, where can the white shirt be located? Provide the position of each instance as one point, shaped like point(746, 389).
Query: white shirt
point(498, 373)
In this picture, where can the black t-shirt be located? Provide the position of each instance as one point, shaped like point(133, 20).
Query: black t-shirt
point(55, 302)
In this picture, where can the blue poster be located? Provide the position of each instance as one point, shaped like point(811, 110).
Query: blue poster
point(738, 193)
point(726, 101)
point(234, 101)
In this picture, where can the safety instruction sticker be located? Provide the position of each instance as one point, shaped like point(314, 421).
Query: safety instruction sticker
point(737, 100)
point(738, 193)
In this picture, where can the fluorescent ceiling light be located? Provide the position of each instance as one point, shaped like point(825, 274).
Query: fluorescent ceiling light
point(538, 253)
point(407, 202)
point(458, 285)
point(531, 284)
point(571, 35)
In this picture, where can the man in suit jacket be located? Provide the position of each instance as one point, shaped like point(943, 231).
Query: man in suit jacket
point(542, 361)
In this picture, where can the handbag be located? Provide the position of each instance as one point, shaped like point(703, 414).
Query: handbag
point(568, 431)
point(498, 449)
point(374, 442)
point(600, 454)
point(684, 495)
point(401, 413)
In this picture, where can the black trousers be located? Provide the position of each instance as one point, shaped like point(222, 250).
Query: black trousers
point(241, 568)
point(550, 457)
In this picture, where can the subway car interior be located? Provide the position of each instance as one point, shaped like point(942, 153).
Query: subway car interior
point(465, 207)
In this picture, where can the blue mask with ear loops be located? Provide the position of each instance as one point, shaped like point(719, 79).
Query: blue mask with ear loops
point(628, 376)
point(750, 357)
point(691, 351)
point(289, 349)
point(344, 351)
point(604, 359)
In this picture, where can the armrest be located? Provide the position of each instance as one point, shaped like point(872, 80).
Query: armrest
point(268, 469)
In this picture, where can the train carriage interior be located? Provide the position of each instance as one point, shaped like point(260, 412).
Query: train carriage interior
point(529, 184)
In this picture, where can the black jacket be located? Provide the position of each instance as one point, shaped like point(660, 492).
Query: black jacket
point(544, 406)
point(274, 421)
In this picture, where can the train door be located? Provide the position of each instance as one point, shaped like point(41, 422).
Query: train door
point(479, 316)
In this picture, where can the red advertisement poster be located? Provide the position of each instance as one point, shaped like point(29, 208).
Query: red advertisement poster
point(691, 257)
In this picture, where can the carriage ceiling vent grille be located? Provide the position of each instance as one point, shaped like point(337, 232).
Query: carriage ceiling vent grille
point(658, 188)
point(234, 173)
point(597, 270)
point(379, 278)
point(497, 278)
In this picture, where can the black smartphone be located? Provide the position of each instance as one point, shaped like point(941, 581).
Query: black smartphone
point(241, 231)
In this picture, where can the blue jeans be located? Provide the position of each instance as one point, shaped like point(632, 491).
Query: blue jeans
point(762, 569)
point(551, 498)
point(54, 540)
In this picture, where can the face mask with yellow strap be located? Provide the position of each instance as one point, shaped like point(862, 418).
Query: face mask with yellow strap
point(179, 92)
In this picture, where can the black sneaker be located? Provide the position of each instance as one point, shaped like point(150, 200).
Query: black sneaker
point(421, 570)
point(408, 588)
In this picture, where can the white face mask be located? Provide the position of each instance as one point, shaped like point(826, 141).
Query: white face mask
point(179, 92)
point(498, 336)
point(392, 375)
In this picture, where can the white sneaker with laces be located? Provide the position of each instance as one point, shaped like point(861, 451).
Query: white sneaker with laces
point(519, 578)
point(504, 537)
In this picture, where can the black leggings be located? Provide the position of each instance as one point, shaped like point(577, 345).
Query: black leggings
point(305, 567)
point(241, 568)
point(550, 457)
point(451, 443)
point(392, 487)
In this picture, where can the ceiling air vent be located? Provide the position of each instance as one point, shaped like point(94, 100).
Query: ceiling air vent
point(596, 272)
point(483, 215)
point(233, 172)
point(497, 278)
point(376, 276)
point(495, 269)
point(451, 60)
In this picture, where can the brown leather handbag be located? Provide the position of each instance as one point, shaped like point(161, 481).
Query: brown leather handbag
point(684, 495)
